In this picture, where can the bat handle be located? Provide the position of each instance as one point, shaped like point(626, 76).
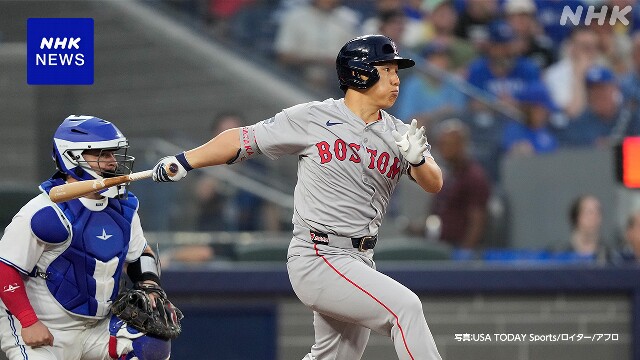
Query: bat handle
point(140, 175)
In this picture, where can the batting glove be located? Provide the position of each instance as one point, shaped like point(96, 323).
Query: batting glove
point(412, 144)
point(171, 168)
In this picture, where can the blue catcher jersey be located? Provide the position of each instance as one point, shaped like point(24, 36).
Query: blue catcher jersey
point(84, 277)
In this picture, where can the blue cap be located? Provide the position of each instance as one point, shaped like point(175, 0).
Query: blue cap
point(500, 32)
point(537, 94)
point(599, 74)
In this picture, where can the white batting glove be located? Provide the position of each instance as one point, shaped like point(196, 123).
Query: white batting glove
point(412, 144)
point(171, 168)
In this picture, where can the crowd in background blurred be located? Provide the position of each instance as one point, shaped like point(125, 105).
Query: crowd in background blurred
point(495, 79)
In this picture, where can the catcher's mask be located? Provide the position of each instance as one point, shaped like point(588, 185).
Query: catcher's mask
point(78, 135)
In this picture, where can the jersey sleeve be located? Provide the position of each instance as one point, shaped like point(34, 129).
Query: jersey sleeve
point(19, 247)
point(283, 134)
point(138, 242)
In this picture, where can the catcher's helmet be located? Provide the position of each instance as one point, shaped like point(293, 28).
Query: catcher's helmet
point(79, 133)
point(357, 57)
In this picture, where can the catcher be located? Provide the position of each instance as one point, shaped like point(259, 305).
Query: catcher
point(61, 264)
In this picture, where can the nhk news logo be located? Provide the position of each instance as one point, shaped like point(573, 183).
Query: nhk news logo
point(60, 51)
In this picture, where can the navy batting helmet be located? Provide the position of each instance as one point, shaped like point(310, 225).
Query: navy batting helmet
point(358, 57)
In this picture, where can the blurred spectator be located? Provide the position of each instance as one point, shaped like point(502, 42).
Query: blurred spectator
point(630, 251)
point(604, 121)
point(392, 21)
point(429, 94)
point(566, 78)
point(474, 18)
point(501, 72)
point(221, 208)
point(461, 205)
point(615, 47)
point(311, 35)
point(440, 27)
point(532, 136)
point(630, 82)
point(585, 218)
point(531, 41)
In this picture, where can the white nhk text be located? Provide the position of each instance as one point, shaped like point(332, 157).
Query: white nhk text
point(575, 17)
point(528, 337)
point(53, 59)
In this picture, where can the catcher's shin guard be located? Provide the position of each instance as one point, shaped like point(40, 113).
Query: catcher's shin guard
point(128, 343)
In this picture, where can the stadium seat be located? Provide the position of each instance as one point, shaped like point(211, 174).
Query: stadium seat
point(412, 250)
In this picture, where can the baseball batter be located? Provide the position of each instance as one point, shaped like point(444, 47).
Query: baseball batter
point(351, 156)
point(60, 264)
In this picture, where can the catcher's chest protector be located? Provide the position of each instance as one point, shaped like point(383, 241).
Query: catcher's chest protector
point(84, 278)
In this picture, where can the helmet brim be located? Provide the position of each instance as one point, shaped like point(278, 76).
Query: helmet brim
point(403, 63)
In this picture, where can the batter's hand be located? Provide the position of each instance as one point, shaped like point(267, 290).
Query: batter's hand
point(412, 144)
point(37, 335)
point(168, 169)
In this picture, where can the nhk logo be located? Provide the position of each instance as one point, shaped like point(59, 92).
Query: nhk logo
point(60, 51)
point(575, 17)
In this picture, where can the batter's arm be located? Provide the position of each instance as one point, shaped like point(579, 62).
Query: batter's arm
point(428, 175)
point(220, 150)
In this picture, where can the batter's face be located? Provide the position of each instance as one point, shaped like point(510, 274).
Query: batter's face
point(386, 90)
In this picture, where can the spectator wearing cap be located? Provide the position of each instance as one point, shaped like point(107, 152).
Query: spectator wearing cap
point(604, 119)
point(566, 78)
point(532, 135)
point(501, 72)
point(531, 41)
point(429, 93)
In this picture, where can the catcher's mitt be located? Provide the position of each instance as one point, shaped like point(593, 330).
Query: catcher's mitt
point(134, 307)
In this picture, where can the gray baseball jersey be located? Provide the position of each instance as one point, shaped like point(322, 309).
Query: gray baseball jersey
point(347, 171)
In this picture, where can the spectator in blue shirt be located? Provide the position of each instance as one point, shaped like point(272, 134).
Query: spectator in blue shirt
point(604, 121)
point(501, 72)
point(532, 135)
point(430, 94)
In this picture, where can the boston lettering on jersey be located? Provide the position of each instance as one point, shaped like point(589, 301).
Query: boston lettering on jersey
point(381, 162)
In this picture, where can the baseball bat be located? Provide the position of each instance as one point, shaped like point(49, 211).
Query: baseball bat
point(74, 190)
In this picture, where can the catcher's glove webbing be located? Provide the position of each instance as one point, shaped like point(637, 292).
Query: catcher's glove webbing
point(134, 307)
